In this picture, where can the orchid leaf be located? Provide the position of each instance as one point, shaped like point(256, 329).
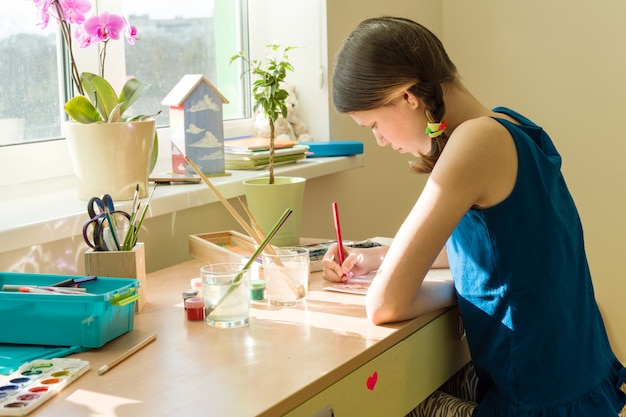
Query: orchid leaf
point(142, 117)
point(115, 114)
point(81, 110)
point(155, 151)
point(100, 93)
point(131, 92)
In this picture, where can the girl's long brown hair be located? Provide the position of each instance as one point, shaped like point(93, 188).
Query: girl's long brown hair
point(385, 55)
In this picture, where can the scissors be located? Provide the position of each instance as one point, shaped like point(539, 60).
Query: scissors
point(99, 235)
point(97, 205)
point(105, 224)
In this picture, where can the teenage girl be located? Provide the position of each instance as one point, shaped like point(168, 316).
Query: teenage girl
point(497, 211)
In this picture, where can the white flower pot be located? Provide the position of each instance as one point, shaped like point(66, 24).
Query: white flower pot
point(111, 158)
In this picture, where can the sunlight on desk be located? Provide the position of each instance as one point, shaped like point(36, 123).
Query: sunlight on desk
point(98, 404)
point(320, 311)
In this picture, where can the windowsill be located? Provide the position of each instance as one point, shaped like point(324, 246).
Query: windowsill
point(45, 211)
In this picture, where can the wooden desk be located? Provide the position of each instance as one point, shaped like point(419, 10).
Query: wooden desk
point(288, 361)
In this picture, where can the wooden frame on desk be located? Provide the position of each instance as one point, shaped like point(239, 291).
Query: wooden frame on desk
point(293, 361)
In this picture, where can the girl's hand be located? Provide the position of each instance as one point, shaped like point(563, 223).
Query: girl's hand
point(357, 262)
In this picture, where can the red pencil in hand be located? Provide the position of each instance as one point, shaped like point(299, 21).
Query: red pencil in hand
point(338, 233)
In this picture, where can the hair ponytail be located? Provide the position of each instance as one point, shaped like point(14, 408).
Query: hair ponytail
point(432, 96)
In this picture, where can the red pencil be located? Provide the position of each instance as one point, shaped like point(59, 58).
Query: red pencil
point(338, 233)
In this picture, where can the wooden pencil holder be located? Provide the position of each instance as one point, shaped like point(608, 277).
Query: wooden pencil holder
point(120, 264)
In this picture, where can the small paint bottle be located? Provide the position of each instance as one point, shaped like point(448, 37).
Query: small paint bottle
point(257, 289)
point(196, 284)
point(189, 294)
point(194, 307)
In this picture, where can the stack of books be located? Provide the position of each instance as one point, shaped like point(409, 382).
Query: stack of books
point(253, 152)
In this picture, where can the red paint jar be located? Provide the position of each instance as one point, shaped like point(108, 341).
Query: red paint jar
point(195, 308)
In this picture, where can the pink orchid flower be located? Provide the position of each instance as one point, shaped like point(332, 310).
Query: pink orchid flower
point(42, 10)
point(84, 40)
point(70, 15)
point(130, 33)
point(75, 10)
point(104, 27)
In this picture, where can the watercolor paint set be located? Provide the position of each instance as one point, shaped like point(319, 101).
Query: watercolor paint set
point(36, 382)
point(12, 355)
point(103, 310)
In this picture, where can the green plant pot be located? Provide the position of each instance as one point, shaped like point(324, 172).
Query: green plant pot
point(111, 158)
point(267, 202)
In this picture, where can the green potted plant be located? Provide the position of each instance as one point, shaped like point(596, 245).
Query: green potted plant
point(267, 89)
point(268, 197)
point(130, 143)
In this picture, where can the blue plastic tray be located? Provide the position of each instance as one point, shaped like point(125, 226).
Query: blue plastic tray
point(90, 321)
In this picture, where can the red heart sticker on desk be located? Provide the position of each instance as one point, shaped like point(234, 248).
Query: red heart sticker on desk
point(371, 381)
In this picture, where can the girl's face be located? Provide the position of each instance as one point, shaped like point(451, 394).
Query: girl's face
point(400, 124)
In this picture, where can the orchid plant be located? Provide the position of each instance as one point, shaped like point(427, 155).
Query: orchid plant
point(97, 101)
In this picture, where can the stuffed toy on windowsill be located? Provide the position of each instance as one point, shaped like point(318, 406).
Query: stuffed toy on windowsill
point(292, 128)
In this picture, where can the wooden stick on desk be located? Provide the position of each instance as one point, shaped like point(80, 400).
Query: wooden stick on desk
point(125, 355)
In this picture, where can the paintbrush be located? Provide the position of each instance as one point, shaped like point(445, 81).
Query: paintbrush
point(293, 283)
point(242, 222)
point(133, 231)
point(237, 280)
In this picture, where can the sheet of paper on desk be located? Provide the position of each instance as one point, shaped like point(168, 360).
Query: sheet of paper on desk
point(360, 284)
point(355, 285)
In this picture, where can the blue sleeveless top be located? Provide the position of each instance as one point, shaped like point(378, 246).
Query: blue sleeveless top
point(535, 333)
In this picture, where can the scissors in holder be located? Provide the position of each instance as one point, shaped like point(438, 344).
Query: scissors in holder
point(97, 205)
point(102, 235)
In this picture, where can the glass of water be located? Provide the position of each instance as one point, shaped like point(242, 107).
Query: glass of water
point(286, 275)
point(226, 291)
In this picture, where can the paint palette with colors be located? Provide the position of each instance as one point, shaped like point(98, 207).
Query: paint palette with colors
point(36, 382)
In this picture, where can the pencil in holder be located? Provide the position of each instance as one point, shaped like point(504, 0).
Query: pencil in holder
point(120, 264)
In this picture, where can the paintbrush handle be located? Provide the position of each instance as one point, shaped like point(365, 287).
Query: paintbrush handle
point(242, 222)
point(269, 249)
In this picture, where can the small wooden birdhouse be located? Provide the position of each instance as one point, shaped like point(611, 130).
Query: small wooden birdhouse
point(196, 125)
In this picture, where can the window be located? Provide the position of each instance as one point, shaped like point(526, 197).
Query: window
point(186, 37)
point(30, 107)
point(176, 38)
point(31, 94)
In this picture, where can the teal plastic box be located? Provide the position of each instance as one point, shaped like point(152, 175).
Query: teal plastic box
point(106, 311)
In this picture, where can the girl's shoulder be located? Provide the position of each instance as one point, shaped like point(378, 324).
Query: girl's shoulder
point(481, 157)
point(479, 132)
